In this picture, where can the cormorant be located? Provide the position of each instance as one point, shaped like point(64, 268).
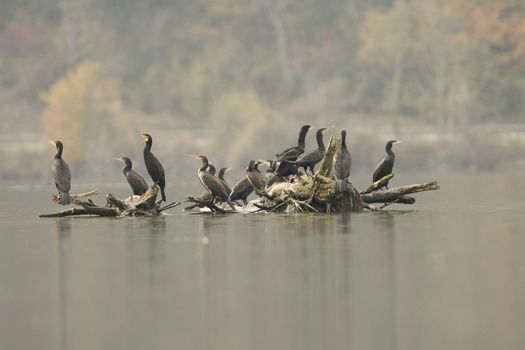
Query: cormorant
point(293, 152)
point(256, 178)
point(155, 169)
point(310, 159)
point(385, 166)
point(243, 188)
point(211, 183)
point(137, 182)
point(61, 173)
point(205, 196)
point(223, 181)
point(284, 168)
point(342, 165)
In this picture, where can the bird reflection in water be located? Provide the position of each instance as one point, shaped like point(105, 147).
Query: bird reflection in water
point(63, 234)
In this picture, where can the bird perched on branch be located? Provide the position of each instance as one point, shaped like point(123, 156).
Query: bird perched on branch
point(254, 176)
point(386, 165)
point(137, 182)
point(212, 184)
point(292, 153)
point(310, 159)
point(342, 165)
point(61, 174)
point(153, 166)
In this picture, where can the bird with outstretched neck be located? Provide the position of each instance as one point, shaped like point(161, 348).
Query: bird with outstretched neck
point(342, 165)
point(212, 184)
point(292, 153)
point(153, 166)
point(310, 159)
point(61, 174)
point(386, 165)
point(222, 172)
point(137, 182)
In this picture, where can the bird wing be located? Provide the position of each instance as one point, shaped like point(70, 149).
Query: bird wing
point(383, 168)
point(241, 188)
point(314, 156)
point(257, 179)
point(212, 184)
point(342, 164)
point(137, 182)
point(289, 154)
point(62, 175)
point(155, 167)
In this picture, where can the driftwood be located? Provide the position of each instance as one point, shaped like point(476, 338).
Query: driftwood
point(317, 193)
point(144, 205)
point(212, 207)
point(72, 197)
point(398, 193)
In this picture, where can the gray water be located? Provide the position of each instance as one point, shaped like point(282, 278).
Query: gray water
point(445, 273)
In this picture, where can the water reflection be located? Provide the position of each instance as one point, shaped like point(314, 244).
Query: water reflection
point(63, 234)
point(396, 279)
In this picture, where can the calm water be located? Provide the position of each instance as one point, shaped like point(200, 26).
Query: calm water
point(445, 273)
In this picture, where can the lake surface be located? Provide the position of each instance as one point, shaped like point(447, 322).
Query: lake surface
point(445, 273)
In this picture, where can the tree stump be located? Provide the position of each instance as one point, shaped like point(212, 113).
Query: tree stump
point(317, 193)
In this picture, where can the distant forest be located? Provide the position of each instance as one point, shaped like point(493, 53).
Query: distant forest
point(86, 70)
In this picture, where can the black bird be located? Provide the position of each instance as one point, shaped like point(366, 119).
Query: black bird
point(293, 152)
point(241, 191)
point(254, 176)
point(310, 159)
point(342, 165)
point(223, 181)
point(205, 196)
point(61, 174)
point(284, 169)
point(155, 169)
point(211, 183)
point(137, 182)
point(385, 166)
point(243, 188)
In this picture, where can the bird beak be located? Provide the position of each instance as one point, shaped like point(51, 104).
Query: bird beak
point(227, 169)
point(267, 163)
point(120, 159)
point(144, 137)
point(324, 131)
point(53, 143)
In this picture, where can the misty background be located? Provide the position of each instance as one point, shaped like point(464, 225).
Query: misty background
point(235, 80)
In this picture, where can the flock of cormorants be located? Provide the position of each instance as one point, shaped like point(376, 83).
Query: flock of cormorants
point(285, 167)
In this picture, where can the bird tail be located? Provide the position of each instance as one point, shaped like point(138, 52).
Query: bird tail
point(64, 198)
point(163, 194)
point(340, 185)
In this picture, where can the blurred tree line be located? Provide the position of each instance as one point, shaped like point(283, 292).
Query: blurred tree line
point(87, 70)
